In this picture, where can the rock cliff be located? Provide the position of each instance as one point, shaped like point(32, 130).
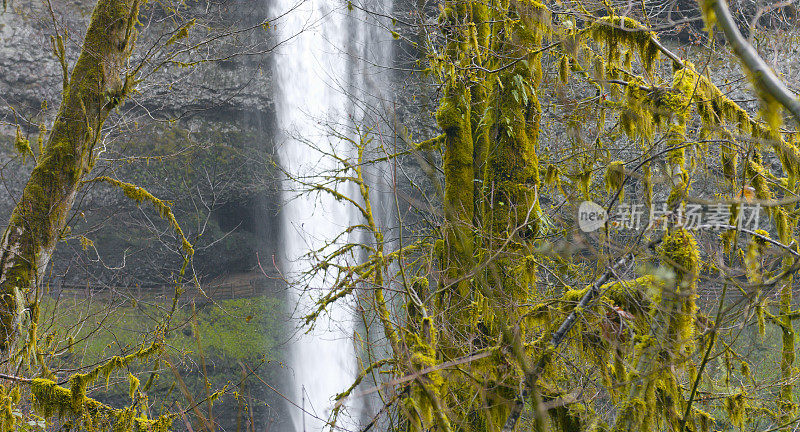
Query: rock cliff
point(198, 131)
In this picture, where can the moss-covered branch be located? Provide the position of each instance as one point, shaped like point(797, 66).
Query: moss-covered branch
point(97, 84)
point(141, 195)
point(52, 400)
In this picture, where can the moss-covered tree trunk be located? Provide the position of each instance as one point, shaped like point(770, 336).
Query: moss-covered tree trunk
point(97, 84)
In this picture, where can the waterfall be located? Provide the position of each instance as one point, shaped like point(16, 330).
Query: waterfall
point(312, 71)
point(327, 69)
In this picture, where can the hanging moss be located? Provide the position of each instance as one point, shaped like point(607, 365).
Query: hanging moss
point(21, 144)
point(782, 225)
point(729, 160)
point(51, 400)
point(563, 69)
point(633, 414)
point(584, 181)
point(789, 156)
point(752, 257)
point(704, 420)
point(421, 404)
point(552, 175)
point(639, 115)
point(181, 33)
point(755, 175)
point(536, 22)
point(490, 113)
point(133, 385)
point(8, 404)
point(106, 369)
point(736, 405)
point(614, 31)
point(615, 176)
point(679, 251)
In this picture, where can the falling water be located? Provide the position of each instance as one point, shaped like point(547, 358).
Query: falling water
point(311, 72)
point(323, 71)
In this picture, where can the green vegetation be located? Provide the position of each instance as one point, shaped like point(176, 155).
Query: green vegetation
point(232, 330)
point(219, 350)
point(526, 323)
point(493, 314)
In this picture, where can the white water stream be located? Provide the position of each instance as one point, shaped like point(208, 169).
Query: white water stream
point(312, 72)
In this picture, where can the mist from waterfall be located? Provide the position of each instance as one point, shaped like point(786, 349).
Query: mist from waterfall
point(314, 70)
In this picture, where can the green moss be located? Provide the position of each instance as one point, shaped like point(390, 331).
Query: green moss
point(551, 175)
point(615, 31)
point(535, 22)
point(615, 176)
point(21, 144)
point(736, 405)
point(633, 413)
point(422, 348)
point(782, 225)
point(181, 33)
point(584, 181)
point(563, 69)
point(789, 156)
point(448, 116)
point(225, 331)
point(133, 385)
point(636, 296)
point(679, 251)
point(453, 117)
point(96, 85)
point(141, 195)
point(52, 400)
point(729, 160)
point(8, 410)
point(704, 420)
point(79, 382)
point(756, 176)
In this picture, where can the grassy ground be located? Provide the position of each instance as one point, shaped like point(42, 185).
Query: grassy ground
point(240, 329)
point(231, 344)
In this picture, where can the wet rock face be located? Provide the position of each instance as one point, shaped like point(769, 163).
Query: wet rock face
point(230, 75)
point(219, 101)
point(30, 73)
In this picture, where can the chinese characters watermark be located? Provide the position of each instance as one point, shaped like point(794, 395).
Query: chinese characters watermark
point(592, 216)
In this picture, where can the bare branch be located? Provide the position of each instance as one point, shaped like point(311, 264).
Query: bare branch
point(763, 75)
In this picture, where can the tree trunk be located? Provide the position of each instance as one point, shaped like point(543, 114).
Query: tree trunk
point(97, 84)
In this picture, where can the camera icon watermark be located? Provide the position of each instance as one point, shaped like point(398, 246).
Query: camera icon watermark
point(591, 216)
